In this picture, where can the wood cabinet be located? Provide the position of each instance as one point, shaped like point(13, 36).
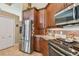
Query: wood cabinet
point(44, 46)
point(28, 14)
point(37, 44)
point(41, 45)
point(42, 18)
point(43, 21)
point(51, 10)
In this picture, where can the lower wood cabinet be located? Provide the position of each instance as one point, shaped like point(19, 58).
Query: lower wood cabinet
point(37, 44)
point(44, 46)
point(41, 45)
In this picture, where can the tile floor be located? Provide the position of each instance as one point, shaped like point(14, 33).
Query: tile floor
point(14, 51)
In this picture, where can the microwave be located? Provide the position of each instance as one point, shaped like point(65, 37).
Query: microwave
point(68, 15)
point(77, 12)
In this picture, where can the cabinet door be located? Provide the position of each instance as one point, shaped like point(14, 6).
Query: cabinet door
point(26, 15)
point(44, 47)
point(42, 18)
point(29, 14)
point(37, 44)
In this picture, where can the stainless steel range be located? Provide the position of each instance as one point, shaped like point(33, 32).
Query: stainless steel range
point(61, 48)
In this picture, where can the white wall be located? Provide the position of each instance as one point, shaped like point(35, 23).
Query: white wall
point(7, 32)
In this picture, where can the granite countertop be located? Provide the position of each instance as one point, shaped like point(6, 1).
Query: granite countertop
point(46, 37)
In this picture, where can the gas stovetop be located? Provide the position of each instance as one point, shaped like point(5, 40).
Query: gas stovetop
point(66, 47)
point(61, 41)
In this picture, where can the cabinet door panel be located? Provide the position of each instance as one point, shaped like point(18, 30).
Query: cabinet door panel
point(44, 47)
point(29, 14)
point(26, 15)
point(41, 15)
point(37, 44)
point(42, 18)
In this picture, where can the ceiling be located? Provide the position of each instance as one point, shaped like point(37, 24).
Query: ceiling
point(17, 8)
point(25, 5)
point(37, 5)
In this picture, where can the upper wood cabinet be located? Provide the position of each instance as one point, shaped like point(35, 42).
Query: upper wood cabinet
point(43, 21)
point(28, 14)
point(42, 18)
point(51, 10)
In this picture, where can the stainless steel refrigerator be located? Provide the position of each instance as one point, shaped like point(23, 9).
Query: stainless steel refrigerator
point(26, 42)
